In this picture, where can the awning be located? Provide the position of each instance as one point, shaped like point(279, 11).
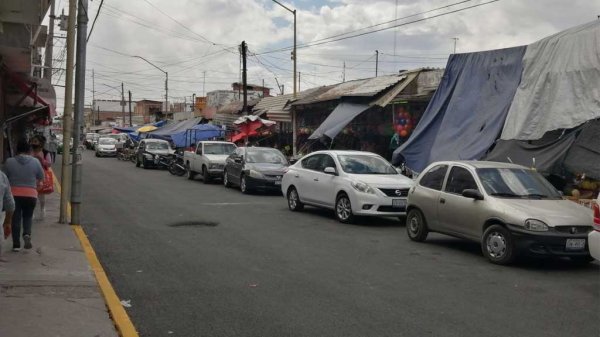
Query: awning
point(343, 114)
point(34, 93)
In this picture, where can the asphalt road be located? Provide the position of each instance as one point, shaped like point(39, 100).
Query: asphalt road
point(203, 260)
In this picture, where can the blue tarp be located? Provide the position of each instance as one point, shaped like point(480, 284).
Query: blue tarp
point(125, 129)
point(172, 128)
point(468, 110)
point(197, 133)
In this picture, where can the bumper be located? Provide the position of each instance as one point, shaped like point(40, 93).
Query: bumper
point(107, 153)
point(547, 243)
point(263, 184)
point(594, 244)
point(215, 172)
point(376, 205)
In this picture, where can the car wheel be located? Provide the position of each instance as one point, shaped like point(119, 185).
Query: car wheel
point(226, 182)
point(343, 209)
point(145, 164)
point(416, 227)
point(205, 175)
point(190, 174)
point(497, 245)
point(581, 260)
point(243, 185)
point(294, 202)
point(137, 162)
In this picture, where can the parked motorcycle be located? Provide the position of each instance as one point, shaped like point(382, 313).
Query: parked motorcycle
point(177, 167)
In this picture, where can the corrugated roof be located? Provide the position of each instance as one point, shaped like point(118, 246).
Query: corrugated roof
point(357, 88)
point(277, 108)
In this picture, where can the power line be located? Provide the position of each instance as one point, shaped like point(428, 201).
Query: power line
point(330, 40)
point(95, 18)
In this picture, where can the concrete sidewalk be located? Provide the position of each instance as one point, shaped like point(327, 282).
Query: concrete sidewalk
point(50, 290)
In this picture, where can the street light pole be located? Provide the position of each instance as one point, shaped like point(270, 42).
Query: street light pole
point(166, 81)
point(295, 59)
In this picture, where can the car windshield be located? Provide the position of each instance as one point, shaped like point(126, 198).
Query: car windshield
point(219, 148)
point(157, 146)
point(365, 164)
point(516, 183)
point(107, 141)
point(267, 156)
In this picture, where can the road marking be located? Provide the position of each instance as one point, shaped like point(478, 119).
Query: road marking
point(118, 314)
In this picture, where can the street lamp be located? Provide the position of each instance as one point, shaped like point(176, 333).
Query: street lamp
point(166, 81)
point(294, 57)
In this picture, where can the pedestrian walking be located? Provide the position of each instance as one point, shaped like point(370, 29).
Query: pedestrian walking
point(53, 147)
point(24, 173)
point(38, 143)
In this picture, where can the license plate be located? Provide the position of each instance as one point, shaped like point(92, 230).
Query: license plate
point(278, 183)
point(575, 244)
point(398, 203)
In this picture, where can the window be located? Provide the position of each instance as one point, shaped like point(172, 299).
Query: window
point(312, 162)
point(365, 164)
point(460, 179)
point(434, 178)
point(326, 161)
point(516, 183)
point(269, 156)
point(199, 149)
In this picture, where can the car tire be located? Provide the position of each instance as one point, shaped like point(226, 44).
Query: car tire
point(581, 260)
point(226, 182)
point(343, 209)
point(243, 185)
point(497, 245)
point(293, 198)
point(205, 175)
point(145, 164)
point(416, 226)
point(190, 174)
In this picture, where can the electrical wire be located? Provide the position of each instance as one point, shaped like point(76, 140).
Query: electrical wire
point(94, 22)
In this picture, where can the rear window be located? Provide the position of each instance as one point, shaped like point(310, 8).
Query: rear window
point(434, 178)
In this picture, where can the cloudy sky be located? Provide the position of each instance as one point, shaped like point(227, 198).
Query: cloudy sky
point(197, 41)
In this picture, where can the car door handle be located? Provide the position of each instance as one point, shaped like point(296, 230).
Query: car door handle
point(442, 201)
point(316, 179)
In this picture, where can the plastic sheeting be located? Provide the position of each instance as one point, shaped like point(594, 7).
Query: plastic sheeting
point(172, 128)
point(584, 155)
point(343, 114)
point(559, 88)
point(467, 112)
point(197, 133)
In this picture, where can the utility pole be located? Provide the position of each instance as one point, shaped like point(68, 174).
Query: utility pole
point(93, 90)
point(455, 39)
point(65, 182)
point(49, 44)
point(123, 102)
point(244, 79)
point(193, 105)
point(82, 21)
point(344, 73)
point(203, 83)
point(130, 122)
point(299, 81)
point(376, 62)
point(283, 89)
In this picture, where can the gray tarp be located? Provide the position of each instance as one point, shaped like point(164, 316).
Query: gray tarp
point(549, 153)
point(560, 84)
point(343, 114)
point(468, 110)
point(584, 155)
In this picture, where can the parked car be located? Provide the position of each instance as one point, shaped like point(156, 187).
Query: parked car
point(106, 147)
point(89, 140)
point(60, 145)
point(149, 151)
point(508, 209)
point(95, 139)
point(352, 183)
point(255, 168)
point(594, 236)
point(208, 158)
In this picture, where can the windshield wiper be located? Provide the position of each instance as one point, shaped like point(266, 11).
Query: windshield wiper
point(506, 195)
point(537, 196)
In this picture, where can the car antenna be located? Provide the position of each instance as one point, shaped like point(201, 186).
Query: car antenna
point(510, 160)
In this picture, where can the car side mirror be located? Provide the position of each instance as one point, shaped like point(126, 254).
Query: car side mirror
point(330, 170)
point(472, 194)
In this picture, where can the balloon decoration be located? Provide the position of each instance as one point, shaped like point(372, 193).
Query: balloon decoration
point(404, 123)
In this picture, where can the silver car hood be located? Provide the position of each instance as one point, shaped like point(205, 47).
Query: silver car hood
point(552, 212)
point(384, 180)
point(216, 158)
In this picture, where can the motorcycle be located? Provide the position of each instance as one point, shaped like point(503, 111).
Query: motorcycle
point(177, 166)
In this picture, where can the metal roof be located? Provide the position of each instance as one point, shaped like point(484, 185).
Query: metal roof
point(277, 108)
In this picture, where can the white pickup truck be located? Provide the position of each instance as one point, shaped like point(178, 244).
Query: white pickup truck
point(208, 158)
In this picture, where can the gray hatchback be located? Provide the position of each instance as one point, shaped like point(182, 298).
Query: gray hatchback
point(508, 209)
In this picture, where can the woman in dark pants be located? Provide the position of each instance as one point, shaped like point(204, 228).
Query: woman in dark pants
point(24, 173)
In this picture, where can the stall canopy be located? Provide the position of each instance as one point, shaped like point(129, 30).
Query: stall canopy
point(584, 155)
point(170, 129)
point(467, 112)
point(559, 87)
point(197, 133)
point(337, 120)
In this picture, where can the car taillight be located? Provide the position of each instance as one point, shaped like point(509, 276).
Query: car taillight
point(596, 216)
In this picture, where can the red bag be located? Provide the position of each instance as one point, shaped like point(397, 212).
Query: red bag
point(47, 186)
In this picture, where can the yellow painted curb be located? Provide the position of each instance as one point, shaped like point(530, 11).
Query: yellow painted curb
point(117, 312)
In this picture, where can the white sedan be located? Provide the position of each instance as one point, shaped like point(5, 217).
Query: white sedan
point(352, 183)
point(594, 236)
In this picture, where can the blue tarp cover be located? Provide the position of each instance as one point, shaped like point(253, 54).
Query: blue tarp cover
point(468, 110)
point(197, 133)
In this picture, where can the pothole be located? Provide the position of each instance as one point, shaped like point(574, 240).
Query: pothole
point(194, 224)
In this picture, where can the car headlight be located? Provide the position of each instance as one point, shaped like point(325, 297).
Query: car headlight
point(535, 225)
point(256, 174)
point(362, 187)
point(213, 166)
point(148, 156)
